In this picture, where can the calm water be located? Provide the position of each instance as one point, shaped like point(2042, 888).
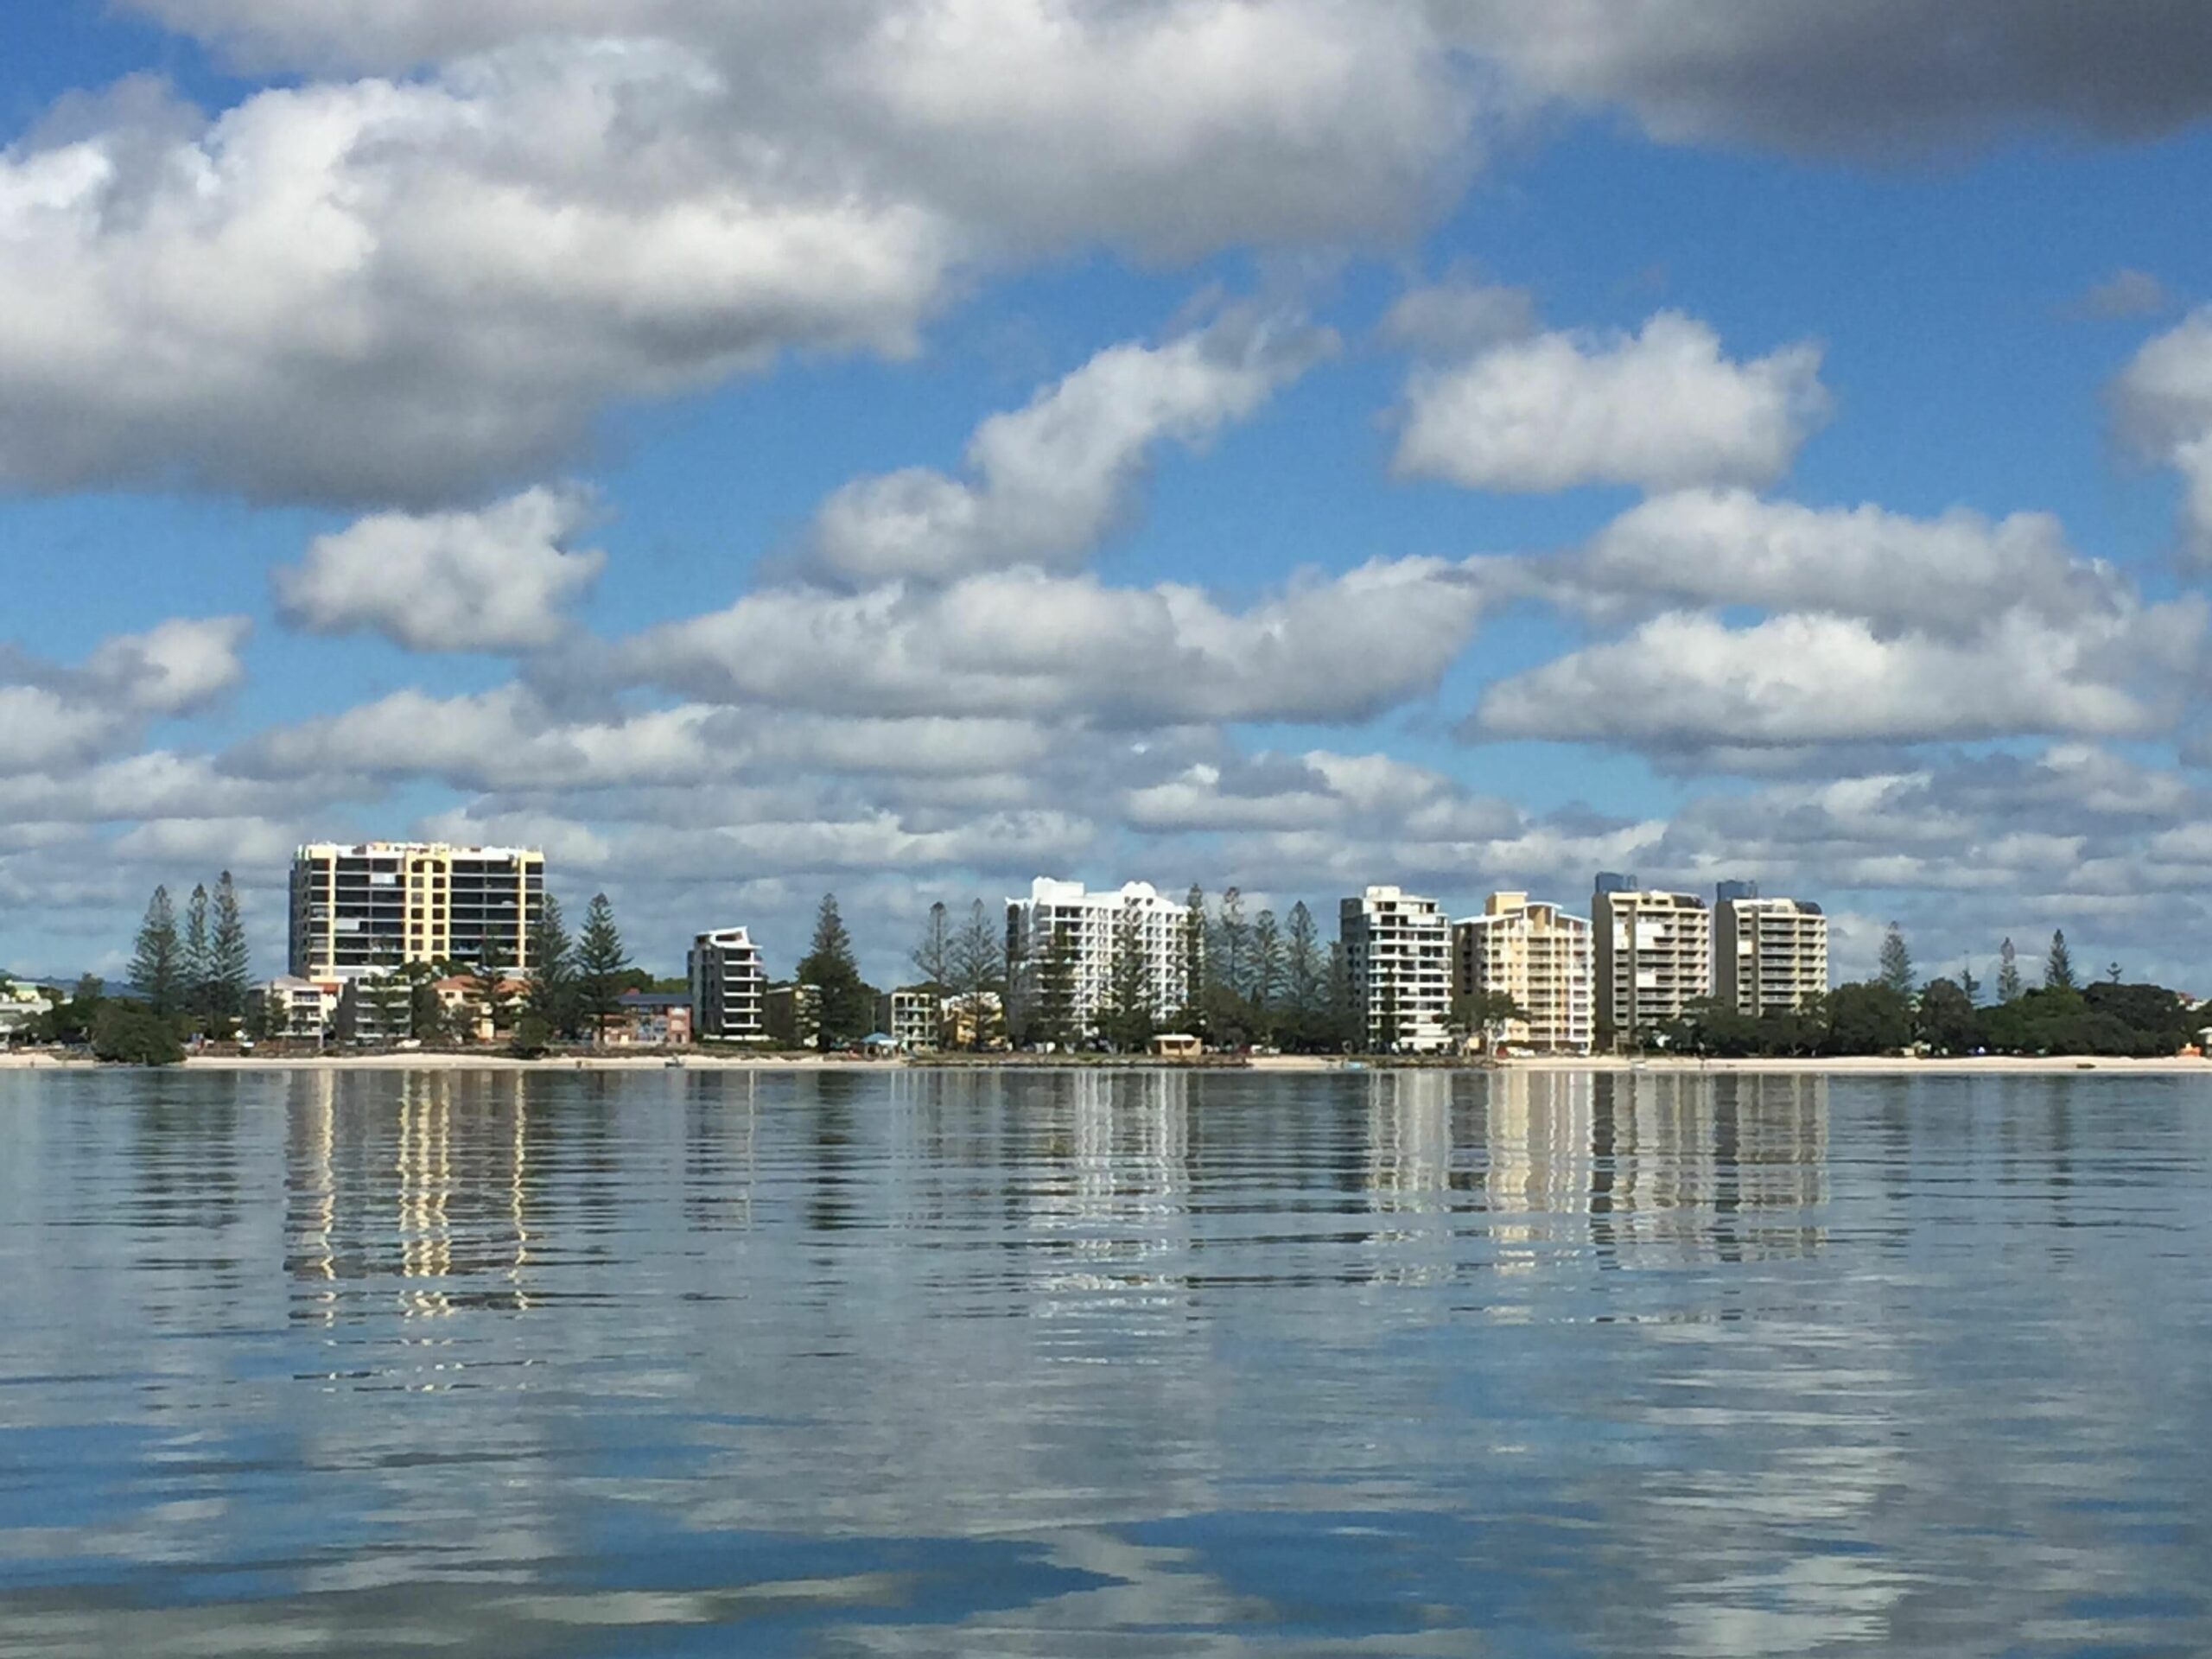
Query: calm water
point(1069, 1365)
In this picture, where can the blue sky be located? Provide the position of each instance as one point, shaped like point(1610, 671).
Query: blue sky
point(505, 423)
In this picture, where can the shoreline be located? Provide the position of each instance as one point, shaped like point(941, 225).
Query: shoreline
point(1854, 1065)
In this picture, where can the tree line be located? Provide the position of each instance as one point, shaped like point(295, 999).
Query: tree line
point(188, 978)
point(1895, 1011)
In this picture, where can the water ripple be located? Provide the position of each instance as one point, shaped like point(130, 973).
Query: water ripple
point(1076, 1363)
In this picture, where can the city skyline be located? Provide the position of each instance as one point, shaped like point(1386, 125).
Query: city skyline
point(1308, 446)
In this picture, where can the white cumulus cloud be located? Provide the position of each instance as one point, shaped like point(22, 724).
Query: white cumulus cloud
point(2162, 403)
point(1171, 127)
point(1684, 680)
point(1661, 409)
point(1050, 480)
point(392, 292)
point(498, 580)
point(1024, 644)
point(1729, 547)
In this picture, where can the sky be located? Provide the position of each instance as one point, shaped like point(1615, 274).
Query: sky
point(903, 447)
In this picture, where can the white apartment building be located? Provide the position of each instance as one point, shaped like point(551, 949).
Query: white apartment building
point(1540, 956)
point(729, 988)
point(19, 1006)
point(1398, 960)
point(297, 1008)
point(1652, 957)
point(1769, 955)
point(1090, 925)
point(913, 1018)
point(377, 907)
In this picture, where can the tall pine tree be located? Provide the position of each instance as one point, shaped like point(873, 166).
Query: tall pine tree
point(977, 958)
point(1268, 965)
point(830, 967)
point(1127, 1018)
point(552, 998)
point(195, 963)
point(156, 964)
point(1305, 969)
point(1232, 938)
point(601, 961)
point(2058, 967)
point(1192, 1017)
point(230, 968)
point(1897, 964)
point(1342, 1031)
point(1051, 1017)
point(933, 957)
point(2008, 973)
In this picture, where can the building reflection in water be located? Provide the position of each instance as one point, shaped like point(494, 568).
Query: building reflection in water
point(1120, 1202)
point(416, 1181)
point(1624, 1143)
point(1715, 1167)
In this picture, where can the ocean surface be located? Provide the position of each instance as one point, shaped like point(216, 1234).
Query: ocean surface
point(696, 1362)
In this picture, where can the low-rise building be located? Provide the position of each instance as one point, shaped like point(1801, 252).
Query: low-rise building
point(792, 1015)
point(975, 1022)
point(1397, 950)
point(651, 1020)
point(1540, 956)
point(290, 1007)
point(468, 1015)
point(729, 988)
point(1770, 956)
point(19, 1006)
point(1652, 956)
point(913, 1018)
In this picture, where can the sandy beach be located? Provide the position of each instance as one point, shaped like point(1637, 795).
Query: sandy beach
point(1853, 1066)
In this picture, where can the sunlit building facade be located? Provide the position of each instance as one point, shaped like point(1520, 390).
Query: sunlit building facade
point(1540, 956)
point(1088, 928)
point(1652, 953)
point(1397, 950)
point(382, 905)
point(1770, 956)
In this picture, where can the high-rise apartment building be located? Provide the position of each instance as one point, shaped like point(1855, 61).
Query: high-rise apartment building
point(1398, 962)
point(1061, 932)
point(729, 988)
point(1769, 955)
point(1540, 956)
point(372, 908)
point(1652, 954)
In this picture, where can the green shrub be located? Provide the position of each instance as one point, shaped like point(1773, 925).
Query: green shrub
point(532, 1038)
point(128, 1035)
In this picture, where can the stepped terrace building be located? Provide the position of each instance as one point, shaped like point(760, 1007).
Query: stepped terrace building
point(1398, 959)
point(1540, 956)
point(380, 906)
point(1769, 955)
point(729, 988)
point(1653, 956)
